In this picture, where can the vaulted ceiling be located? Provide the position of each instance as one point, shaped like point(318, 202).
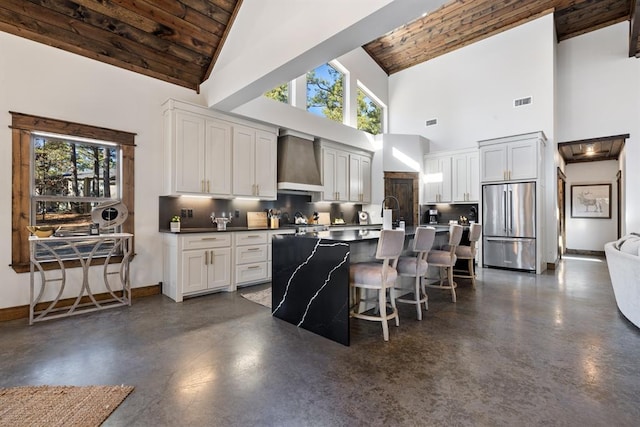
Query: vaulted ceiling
point(179, 40)
point(175, 41)
point(462, 22)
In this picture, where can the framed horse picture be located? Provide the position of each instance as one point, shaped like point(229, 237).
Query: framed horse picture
point(591, 201)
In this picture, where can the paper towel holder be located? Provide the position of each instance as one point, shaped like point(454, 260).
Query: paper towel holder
point(384, 200)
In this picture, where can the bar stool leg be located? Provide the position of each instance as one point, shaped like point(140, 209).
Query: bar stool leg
point(417, 296)
point(452, 284)
point(472, 273)
point(424, 291)
point(382, 296)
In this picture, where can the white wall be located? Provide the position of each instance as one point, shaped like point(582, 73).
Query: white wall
point(273, 41)
point(591, 233)
point(40, 80)
point(599, 95)
point(471, 90)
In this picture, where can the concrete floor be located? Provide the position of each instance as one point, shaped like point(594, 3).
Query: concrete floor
point(519, 350)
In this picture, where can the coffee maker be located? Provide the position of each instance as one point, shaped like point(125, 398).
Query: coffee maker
point(433, 216)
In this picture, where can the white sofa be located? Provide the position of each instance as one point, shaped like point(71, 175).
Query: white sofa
point(623, 260)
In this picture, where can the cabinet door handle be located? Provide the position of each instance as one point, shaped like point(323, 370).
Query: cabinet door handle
point(253, 236)
point(257, 189)
point(253, 249)
point(202, 185)
point(211, 257)
point(206, 258)
point(209, 238)
point(208, 187)
point(253, 267)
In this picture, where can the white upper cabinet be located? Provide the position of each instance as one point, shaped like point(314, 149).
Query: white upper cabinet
point(346, 174)
point(200, 153)
point(335, 175)
point(254, 163)
point(513, 158)
point(466, 177)
point(206, 152)
point(438, 178)
point(359, 178)
point(217, 157)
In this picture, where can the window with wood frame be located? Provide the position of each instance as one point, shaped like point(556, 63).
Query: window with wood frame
point(100, 165)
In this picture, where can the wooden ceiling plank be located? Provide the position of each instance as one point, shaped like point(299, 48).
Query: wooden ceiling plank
point(87, 37)
point(148, 25)
point(172, 27)
point(141, 28)
point(113, 23)
point(217, 10)
point(180, 10)
point(487, 23)
point(47, 33)
point(92, 26)
point(634, 33)
point(212, 7)
point(451, 41)
point(37, 37)
point(453, 26)
point(478, 14)
point(594, 27)
point(224, 38)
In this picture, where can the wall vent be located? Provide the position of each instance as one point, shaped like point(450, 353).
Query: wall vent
point(522, 101)
point(431, 122)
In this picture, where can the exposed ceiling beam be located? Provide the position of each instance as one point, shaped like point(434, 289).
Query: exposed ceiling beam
point(634, 33)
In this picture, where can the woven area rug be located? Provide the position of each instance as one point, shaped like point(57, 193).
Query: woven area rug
point(59, 405)
point(262, 297)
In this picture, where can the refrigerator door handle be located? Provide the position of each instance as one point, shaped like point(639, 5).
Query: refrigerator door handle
point(510, 211)
point(504, 211)
point(508, 239)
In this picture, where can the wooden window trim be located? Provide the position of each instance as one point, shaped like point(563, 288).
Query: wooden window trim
point(22, 125)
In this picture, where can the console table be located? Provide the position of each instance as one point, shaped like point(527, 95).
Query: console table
point(87, 250)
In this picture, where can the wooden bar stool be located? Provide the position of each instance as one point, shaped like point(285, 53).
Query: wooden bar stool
point(379, 276)
point(416, 266)
point(445, 260)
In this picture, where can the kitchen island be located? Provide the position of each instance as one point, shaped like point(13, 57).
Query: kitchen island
point(310, 279)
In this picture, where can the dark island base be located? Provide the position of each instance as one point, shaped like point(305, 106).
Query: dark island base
point(310, 285)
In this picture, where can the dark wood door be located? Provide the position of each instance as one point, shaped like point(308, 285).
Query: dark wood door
point(402, 186)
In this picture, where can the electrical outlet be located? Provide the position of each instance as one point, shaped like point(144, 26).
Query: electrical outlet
point(189, 213)
point(237, 214)
point(183, 213)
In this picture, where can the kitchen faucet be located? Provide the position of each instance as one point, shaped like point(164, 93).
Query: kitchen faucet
point(385, 199)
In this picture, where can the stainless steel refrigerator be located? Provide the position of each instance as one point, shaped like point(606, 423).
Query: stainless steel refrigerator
point(509, 225)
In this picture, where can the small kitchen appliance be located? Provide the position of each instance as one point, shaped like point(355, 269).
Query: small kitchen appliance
point(364, 218)
point(433, 216)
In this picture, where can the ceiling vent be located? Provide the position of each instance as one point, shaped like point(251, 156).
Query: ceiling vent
point(431, 122)
point(522, 101)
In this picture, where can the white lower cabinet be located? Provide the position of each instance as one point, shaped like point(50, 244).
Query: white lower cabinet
point(250, 257)
point(196, 264)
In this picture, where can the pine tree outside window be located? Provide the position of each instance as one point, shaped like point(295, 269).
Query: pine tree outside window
point(369, 114)
point(279, 93)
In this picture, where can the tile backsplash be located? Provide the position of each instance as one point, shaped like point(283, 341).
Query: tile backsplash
point(287, 204)
point(447, 212)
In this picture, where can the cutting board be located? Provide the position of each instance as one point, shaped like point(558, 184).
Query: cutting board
point(324, 218)
point(257, 219)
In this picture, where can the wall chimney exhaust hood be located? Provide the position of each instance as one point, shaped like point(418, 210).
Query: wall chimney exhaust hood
point(298, 168)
